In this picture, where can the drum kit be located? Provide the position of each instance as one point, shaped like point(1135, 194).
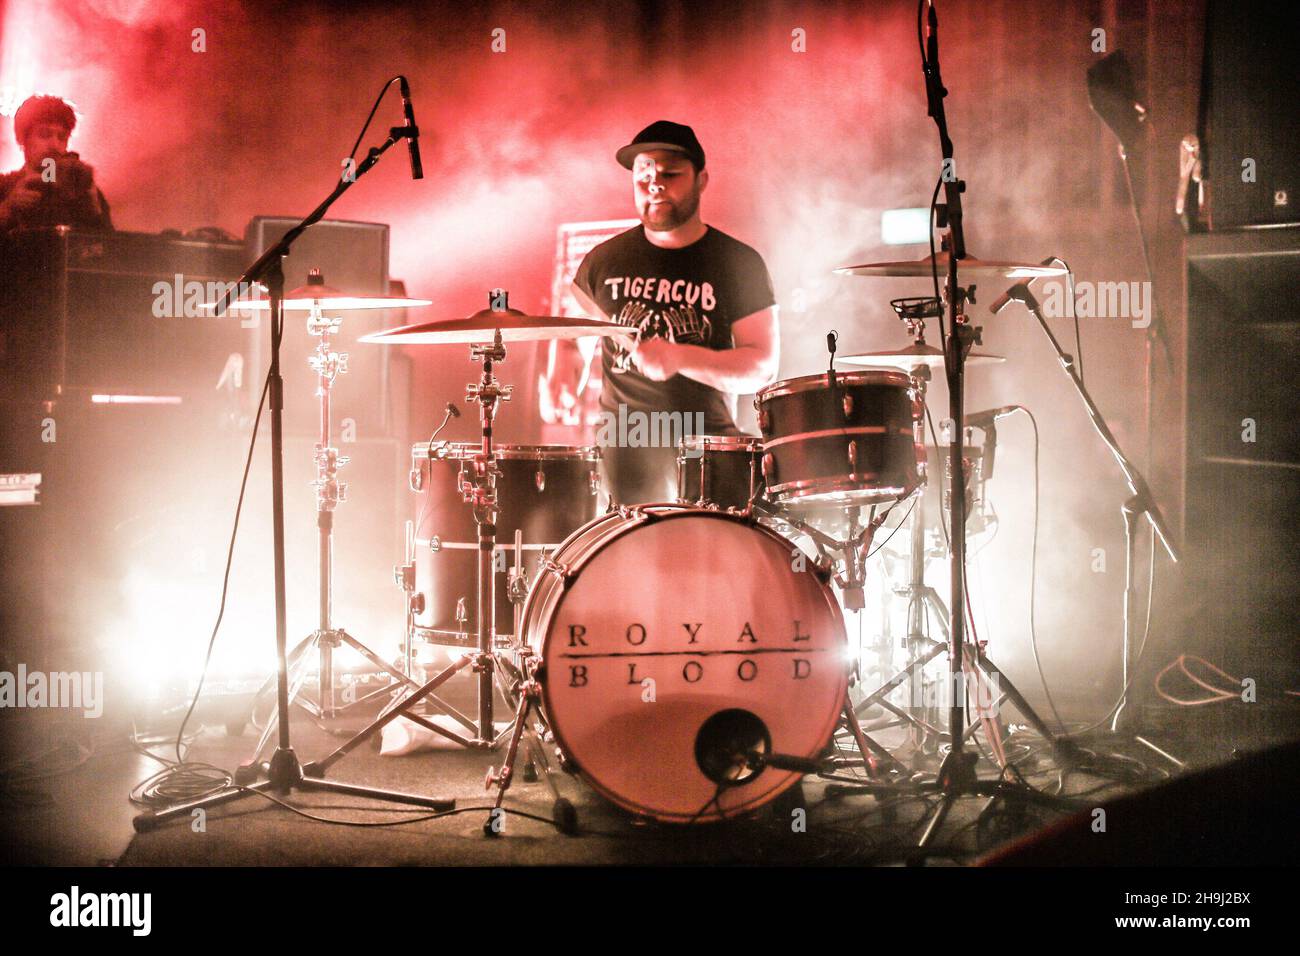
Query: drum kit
point(688, 659)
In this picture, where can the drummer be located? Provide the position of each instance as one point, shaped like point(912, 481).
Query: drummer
point(702, 302)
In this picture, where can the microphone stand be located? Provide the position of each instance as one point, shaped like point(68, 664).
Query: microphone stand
point(284, 772)
point(1140, 503)
point(957, 771)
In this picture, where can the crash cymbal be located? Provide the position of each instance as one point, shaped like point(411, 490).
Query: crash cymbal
point(918, 353)
point(515, 326)
point(969, 267)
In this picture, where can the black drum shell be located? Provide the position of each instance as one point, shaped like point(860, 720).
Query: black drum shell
point(853, 438)
point(720, 471)
point(545, 491)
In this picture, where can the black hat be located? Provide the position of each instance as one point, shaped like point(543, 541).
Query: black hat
point(663, 135)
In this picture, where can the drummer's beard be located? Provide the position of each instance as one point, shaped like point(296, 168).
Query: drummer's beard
point(668, 216)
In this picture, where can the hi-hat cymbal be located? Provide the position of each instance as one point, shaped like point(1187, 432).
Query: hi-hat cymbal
point(969, 267)
point(918, 353)
point(482, 326)
point(330, 299)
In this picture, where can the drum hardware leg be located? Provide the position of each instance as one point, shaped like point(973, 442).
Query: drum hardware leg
point(481, 494)
point(399, 709)
point(873, 754)
point(529, 693)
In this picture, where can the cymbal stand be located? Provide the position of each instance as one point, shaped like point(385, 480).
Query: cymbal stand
point(480, 494)
point(330, 493)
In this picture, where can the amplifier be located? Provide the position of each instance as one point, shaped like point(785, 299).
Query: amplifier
point(117, 315)
point(352, 256)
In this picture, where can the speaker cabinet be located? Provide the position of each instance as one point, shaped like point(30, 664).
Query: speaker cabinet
point(1250, 123)
point(1243, 447)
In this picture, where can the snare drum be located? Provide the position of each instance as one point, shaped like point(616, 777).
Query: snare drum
point(853, 438)
point(545, 491)
point(658, 665)
point(720, 471)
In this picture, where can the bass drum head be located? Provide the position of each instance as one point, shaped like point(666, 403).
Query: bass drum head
point(658, 620)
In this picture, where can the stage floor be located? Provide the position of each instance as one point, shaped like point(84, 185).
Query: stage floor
point(67, 785)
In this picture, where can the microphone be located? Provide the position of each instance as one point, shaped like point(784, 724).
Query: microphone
point(412, 132)
point(452, 410)
point(990, 415)
point(1016, 291)
point(1112, 97)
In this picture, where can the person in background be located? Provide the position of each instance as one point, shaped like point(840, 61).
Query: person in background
point(53, 187)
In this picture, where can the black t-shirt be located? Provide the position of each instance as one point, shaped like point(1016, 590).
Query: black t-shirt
point(690, 296)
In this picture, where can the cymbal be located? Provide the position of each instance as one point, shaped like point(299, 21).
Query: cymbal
point(918, 353)
point(328, 298)
point(515, 326)
point(969, 267)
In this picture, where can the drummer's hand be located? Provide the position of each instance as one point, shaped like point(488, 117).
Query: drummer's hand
point(657, 359)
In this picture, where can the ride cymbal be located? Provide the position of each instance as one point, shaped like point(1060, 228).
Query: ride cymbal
point(969, 267)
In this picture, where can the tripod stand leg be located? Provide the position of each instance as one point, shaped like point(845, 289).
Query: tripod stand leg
point(320, 766)
point(373, 658)
point(868, 747)
point(1059, 745)
point(298, 677)
point(502, 778)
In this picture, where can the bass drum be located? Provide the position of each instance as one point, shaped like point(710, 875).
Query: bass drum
point(670, 636)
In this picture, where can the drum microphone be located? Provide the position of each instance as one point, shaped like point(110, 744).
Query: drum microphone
point(987, 417)
point(411, 132)
point(452, 410)
point(1015, 293)
point(734, 746)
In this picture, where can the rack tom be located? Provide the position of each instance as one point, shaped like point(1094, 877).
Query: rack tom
point(720, 471)
point(840, 438)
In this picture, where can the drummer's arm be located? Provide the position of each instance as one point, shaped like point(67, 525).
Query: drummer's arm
point(568, 366)
point(751, 364)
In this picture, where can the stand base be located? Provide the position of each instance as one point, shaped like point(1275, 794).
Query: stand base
point(284, 774)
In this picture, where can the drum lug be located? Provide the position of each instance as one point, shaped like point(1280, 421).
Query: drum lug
point(415, 480)
point(435, 543)
point(594, 479)
point(539, 479)
point(551, 566)
point(764, 419)
point(769, 466)
point(853, 456)
point(847, 403)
